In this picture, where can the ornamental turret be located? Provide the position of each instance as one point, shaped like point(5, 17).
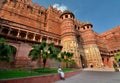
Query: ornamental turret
point(68, 36)
point(90, 46)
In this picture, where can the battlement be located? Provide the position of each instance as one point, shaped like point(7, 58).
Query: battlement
point(25, 5)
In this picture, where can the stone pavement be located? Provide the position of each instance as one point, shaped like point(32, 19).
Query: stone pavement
point(99, 69)
point(91, 75)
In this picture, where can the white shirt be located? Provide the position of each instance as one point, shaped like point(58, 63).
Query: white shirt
point(59, 70)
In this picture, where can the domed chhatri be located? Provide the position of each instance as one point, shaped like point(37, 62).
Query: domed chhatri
point(67, 12)
point(86, 23)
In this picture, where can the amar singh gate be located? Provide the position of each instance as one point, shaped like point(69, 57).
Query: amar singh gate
point(23, 24)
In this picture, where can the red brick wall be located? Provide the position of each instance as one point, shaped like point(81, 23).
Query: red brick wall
point(1, 3)
point(39, 79)
point(111, 38)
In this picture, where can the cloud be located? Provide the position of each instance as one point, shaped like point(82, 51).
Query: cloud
point(60, 7)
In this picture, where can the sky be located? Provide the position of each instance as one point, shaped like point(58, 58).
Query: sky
point(103, 14)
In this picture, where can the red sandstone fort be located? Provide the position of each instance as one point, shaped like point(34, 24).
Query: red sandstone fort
point(23, 24)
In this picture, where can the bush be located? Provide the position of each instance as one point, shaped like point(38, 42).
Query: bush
point(45, 70)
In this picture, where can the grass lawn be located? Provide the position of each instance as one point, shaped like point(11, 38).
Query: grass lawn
point(5, 74)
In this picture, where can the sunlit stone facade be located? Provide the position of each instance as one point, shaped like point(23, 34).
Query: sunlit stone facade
point(24, 23)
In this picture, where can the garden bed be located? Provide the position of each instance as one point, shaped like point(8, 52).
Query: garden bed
point(39, 79)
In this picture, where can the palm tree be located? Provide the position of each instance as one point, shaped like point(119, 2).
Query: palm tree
point(44, 51)
point(53, 51)
point(7, 52)
point(67, 57)
point(35, 53)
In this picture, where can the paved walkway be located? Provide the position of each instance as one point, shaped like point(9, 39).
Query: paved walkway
point(99, 69)
point(106, 75)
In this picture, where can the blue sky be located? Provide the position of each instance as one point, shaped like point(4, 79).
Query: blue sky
point(103, 14)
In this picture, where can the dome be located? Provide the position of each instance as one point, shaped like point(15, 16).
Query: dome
point(67, 12)
point(86, 23)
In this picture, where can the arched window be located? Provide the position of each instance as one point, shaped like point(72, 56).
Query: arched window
point(84, 28)
point(66, 16)
point(88, 27)
point(75, 27)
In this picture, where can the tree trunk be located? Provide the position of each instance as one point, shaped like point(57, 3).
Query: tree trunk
point(39, 62)
point(66, 64)
point(44, 62)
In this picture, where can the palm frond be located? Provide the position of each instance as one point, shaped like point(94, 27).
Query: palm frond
point(2, 40)
point(6, 52)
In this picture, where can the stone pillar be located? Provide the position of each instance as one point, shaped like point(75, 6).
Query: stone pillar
point(18, 34)
point(9, 31)
point(26, 35)
point(41, 39)
point(34, 37)
point(1, 28)
point(57, 42)
point(47, 40)
point(102, 64)
point(111, 60)
point(105, 61)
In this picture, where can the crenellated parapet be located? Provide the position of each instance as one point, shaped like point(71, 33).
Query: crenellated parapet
point(55, 10)
point(25, 5)
point(24, 12)
point(52, 19)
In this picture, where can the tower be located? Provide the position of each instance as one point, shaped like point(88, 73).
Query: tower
point(68, 36)
point(91, 49)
